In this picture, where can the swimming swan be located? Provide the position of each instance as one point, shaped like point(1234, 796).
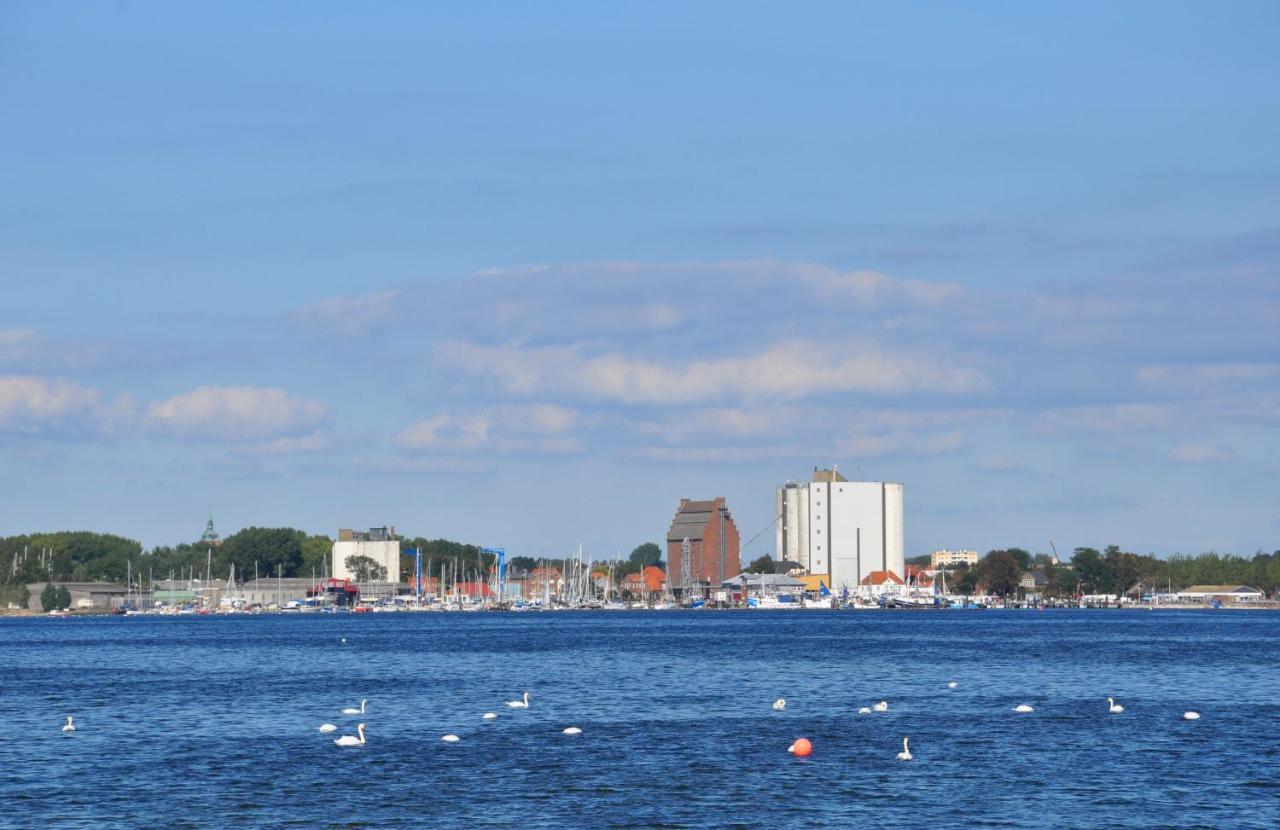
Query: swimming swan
point(1191, 715)
point(1023, 708)
point(351, 740)
point(952, 684)
point(882, 706)
point(489, 716)
point(571, 730)
point(779, 705)
point(905, 754)
point(353, 711)
point(1113, 707)
point(328, 727)
point(451, 739)
point(519, 704)
point(69, 726)
point(864, 711)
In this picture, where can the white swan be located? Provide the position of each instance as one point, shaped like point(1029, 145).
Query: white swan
point(952, 684)
point(571, 730)
point(328, 727)
point(69, 726)
point(1191, 715)
point(864, 711)
point(1113, 707)
point(353, 711)
point(451, 739)
point(882, 706)
point(351, 740)
point(905, 754)
point(779, 704)
point(519, 704)
point(1023, 708)
point(489, 716)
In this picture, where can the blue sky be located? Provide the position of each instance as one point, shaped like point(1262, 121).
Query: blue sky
point(526, 276)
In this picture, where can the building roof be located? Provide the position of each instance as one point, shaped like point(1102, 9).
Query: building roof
point(763, 580)
point(83, 587)
point(881, 578)
point(1220, 589)
point(692, 518)
point(653, 576)
point(827, 476)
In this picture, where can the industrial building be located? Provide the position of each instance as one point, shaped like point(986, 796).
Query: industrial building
point(378, 544)
point(702, 545)
point(843, 529)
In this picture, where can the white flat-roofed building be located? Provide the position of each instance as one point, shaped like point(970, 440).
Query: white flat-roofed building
point(843, 529)
point(378, 544)
point(1222, 593)
point(946, 558)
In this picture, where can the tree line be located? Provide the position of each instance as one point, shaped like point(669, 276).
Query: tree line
point(1114, 572)
point(83, 556)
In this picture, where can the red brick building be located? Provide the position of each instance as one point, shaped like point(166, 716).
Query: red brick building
point(712, 540)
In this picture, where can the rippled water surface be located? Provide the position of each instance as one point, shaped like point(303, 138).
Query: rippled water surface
point(208, 722)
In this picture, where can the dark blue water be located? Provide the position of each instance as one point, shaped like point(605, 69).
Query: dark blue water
point(208, 722)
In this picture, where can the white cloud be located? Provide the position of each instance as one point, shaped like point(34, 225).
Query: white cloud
point(449, 433)
point(1117, 418)
point(36, 405)
point(1196, 453)
point(236, 413)
point(873, 289)
point(542, 428)
point(1209, 373)
point(789, 370)
point(900, 443)
point(344, 317)
point(317, 442)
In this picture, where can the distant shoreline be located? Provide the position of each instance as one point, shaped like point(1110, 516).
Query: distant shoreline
point(97, 612)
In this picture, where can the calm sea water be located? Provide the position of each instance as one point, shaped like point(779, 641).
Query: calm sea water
point(210, 722)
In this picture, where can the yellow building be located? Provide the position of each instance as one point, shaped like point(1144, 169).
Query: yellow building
point(946, 558)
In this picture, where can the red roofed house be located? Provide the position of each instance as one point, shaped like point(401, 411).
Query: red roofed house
point(920, 577)
point(475, 590)
point(650, 584)
point(879, 583)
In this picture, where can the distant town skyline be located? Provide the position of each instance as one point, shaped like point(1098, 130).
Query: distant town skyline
point(528, 279)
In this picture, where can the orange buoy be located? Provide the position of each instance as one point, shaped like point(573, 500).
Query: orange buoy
point(801, 748)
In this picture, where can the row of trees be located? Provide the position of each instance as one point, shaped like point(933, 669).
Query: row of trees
point(1114, 572)
point(81, 556)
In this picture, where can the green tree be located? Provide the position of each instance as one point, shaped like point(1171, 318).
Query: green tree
point(365, 569)
point(1000, 573)
point(964, 579)
point(315, 556)
point(1062, 580)
point(1091, 569)
point(1021, 557)
point(49, 597)
point(274, 549)
point(62, 598)
point(646, 555)
point(761, 565)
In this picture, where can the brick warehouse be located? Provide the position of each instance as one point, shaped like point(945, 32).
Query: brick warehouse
point(712, 539)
